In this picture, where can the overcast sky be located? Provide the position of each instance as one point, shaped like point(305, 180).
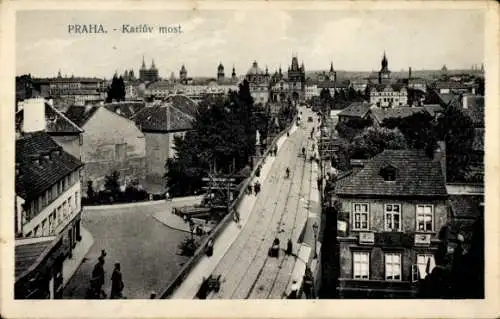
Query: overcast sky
point(354, 40)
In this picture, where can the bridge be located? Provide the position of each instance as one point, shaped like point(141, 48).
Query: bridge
point(287, 209)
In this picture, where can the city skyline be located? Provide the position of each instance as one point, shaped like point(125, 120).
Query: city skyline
point(316, 37)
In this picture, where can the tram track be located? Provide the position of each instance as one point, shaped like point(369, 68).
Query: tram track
point(238, 263)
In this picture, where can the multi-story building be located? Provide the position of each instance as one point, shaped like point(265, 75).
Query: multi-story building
point(78, 90)
point(389, 95)
point(148, 75)
point(47, 207)
point(110, 142)
point(259, 81)
point(391, 211)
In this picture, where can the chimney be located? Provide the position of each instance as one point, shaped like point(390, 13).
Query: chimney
point(464, 101)
point(357, 165)
point(409, 72)
point(34, 115)
point(440, 156)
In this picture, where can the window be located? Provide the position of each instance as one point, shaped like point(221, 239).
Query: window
point(120, 151)
point(360, 215)
point(424, 217)
point(361, 265)
point(422, 261)
point(393, 217)
point(392, 266)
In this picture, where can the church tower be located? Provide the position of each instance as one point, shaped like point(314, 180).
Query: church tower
point(384, 76)
point(220, 72)
point(183, 74)
point(233, 75)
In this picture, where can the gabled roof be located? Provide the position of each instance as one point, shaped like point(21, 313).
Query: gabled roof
point(394, 86)
point(449, 99)
point(125, 109)
point(417, 175)
point(433, 109)
point(154, 119)
point(398, 112)
point(34, 178)
point(80, 114)
point(184, 104)
point(356, 109)
point(55, 122)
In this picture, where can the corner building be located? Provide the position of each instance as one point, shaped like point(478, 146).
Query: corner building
point(391, 212)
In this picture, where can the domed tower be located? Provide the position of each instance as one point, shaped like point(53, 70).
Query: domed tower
point(220, 72)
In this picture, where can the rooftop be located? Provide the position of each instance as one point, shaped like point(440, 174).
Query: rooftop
point(415, 175)
point(125, 109)
point(55, 122)
point(397, 112)
point(155, 119)
point(356, 109)
point(184, 104)
point(30, 255)
point(80, 114)
point(38, 173)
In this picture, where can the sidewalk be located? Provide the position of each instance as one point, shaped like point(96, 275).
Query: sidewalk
point(79, 252)
point(171, 220)
point(206, 265)
point(146, 203)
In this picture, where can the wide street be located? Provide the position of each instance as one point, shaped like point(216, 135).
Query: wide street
point(280, 211)
point(145, 248)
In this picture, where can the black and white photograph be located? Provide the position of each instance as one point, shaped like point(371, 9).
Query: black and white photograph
point(275, 152)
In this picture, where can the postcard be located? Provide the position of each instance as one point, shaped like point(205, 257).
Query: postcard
point(219, 159)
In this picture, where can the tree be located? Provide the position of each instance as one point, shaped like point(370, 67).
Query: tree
point(456, 128)
point(352, 127)
point(90, 190)
point(418, 130)
point(112, 183)
point(373, 141)
point(117, 89)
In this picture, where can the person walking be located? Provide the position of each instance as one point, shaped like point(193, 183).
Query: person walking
point(97, 280)
point(294, 291)
point(116, 283)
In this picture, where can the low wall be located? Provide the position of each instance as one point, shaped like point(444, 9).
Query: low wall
point(222, 224)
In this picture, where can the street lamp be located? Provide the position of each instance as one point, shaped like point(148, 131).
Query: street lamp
point(315, 229)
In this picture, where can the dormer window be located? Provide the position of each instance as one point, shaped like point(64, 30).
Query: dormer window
point(388, 173)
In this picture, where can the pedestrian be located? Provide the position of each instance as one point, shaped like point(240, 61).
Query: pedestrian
point(116, 283)
point(294, 290)
point(152, 295)
point(209, 248)
point(289, 247)
point(203, 291)
point(308, 283)
point(249, 189)
point(97, 280)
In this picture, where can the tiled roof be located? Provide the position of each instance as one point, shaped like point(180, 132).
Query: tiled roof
point(35, 178)
point(357, 109)
point(80, 114)
point(433, 109)
point(475, 110)
point(394, 86)
point(155, 119)
point(416, 175)
point(125, 109)
point(397, 112)
point(56, 122)
point(184, 104)
point(466, 206)
point(449, 99)
point(30, 255)
point(453, 85)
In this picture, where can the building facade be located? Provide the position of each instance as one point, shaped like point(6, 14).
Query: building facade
point(148, 74)
point(110, 142)
point(391, 212)
point(259, 82)
point(47, 214)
